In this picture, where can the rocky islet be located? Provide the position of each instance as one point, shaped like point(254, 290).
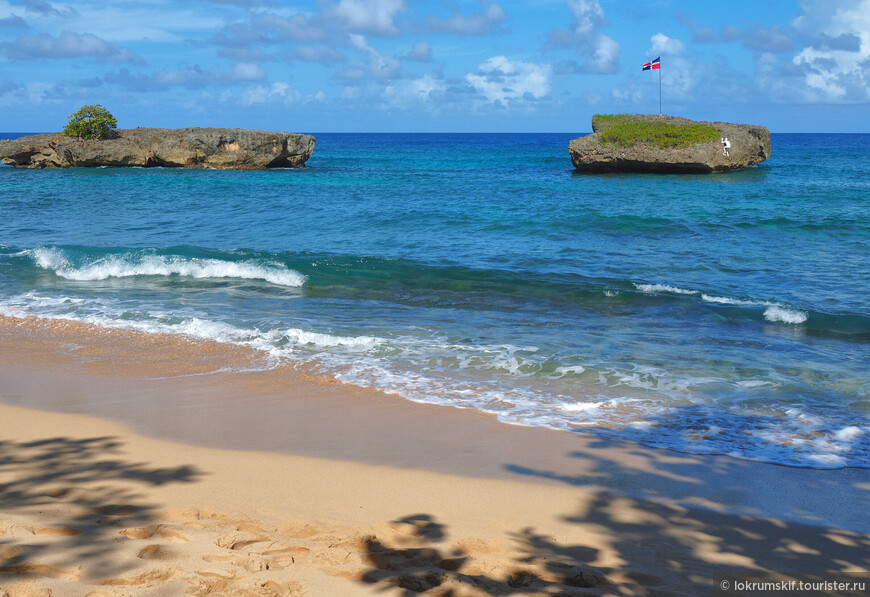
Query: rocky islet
point(244, 149)
point(222, 149)
point(748, 144)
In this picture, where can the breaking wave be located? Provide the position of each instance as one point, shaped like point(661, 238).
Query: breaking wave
point(131, 264)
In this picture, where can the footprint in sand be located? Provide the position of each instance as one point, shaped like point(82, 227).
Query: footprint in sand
point(8, 552)
point(477, 546)
point(248, 563)
point(33, 569)
point(240, 540)
point(146, 579)
point(250, 527)
point(258, 552)
point(155, 530)
point(303, 530)
point(156, 552)
point(63, 531)
point(220, 585)
point(25, 589)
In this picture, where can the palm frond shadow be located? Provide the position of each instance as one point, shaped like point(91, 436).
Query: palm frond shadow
point(85, 490)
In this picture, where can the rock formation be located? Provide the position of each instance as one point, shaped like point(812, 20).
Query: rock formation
point(750, 144)
point(223, 149)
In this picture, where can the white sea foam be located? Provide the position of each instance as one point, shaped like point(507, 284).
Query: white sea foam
point(568, 370)
point(849, 434)
point(128, 265)
point(777, 313)
point(303, 337)
point(50, 301)
point(660, 288)
point(581, 407)
point(13, 311)
point(724, 300)
point(827, 460)
point(756, 383)
point(612, 405)
point(649, 404)
point(656, 379)
point(109, 314)
point(278, 342)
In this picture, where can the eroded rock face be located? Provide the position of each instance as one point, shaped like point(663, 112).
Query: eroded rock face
point(224, 149)
point(750, 144)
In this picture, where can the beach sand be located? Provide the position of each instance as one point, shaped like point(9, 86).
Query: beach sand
point(137, 464)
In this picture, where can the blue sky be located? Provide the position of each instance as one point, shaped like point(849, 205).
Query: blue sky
point(420, 65)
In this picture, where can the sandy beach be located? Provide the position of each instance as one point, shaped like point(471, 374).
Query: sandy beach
point(137, 464)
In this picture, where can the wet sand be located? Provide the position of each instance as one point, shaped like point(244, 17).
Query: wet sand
point(136, 464)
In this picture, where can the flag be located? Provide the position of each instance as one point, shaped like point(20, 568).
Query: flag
point(654, 65)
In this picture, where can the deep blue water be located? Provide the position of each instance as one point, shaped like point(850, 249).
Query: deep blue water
point(722, 313)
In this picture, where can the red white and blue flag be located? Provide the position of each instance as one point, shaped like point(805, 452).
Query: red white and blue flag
point(654, 65)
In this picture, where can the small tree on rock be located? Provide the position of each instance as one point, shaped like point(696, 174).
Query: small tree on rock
point(91, 122)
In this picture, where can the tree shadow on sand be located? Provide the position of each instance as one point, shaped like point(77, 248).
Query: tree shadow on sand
point(81, 491)
point(432, 566)
point(679, 534)
point(663, 549)
point(648, 522)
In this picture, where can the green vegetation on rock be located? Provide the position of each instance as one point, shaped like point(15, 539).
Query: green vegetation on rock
point(91, 122)
point(626, 130)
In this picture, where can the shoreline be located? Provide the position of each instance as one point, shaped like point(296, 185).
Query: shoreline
point(204, 455)
point(209, 394)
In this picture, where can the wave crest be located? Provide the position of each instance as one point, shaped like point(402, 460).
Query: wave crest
point(781, 314)
point(657, 288)
point(130, 264)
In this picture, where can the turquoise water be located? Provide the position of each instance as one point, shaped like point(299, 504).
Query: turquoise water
point(709, 314)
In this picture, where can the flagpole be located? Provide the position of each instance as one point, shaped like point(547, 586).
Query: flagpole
point(660, 89)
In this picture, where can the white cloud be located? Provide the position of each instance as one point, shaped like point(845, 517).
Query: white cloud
point(412, 91)
point(679, 77)
point(421, 52)
point(835, 68)
point(677, 72)
point(479, 23)
point(41, 7)
point(119, 22)
point(605, 54)
point(246, 71)
point(66, 45)
point(276, 92)
point(501, 81)
point(598, 53)
point(662, 44)
point(33, 93)
point(767, 39)
point(379, 66)
point(628, 94)
point(189, 77)
point(371, 17)
point(321, 54)
point(588, 15)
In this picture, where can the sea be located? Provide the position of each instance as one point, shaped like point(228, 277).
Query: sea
point(707, 314)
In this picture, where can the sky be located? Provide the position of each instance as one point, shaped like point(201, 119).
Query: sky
point(434, 66)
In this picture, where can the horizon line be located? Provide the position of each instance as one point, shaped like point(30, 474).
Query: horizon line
point(432, 132)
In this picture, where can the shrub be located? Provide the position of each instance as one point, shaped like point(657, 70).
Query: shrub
point(91, 122)
point(626, 130)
